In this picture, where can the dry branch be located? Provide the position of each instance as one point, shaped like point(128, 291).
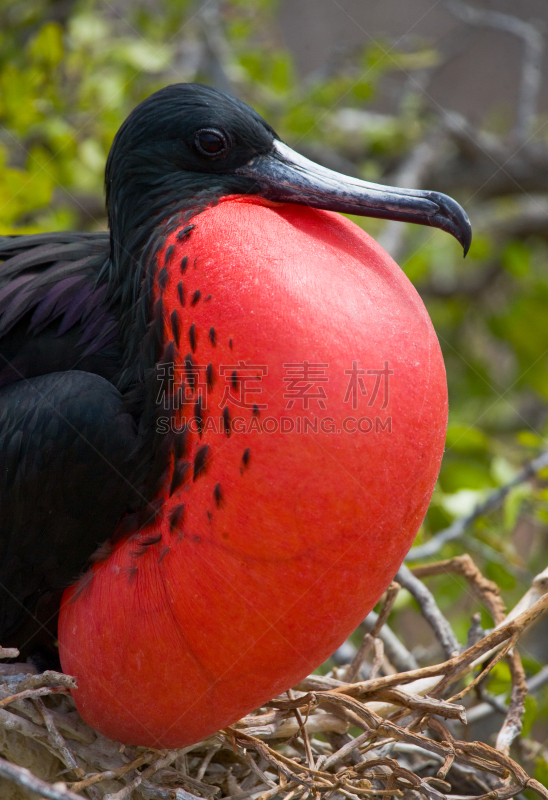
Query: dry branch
point(23, 777)
point(485, 590)
point(430, 610)
point(369, 638)
point(533, 45)
point(492, 502)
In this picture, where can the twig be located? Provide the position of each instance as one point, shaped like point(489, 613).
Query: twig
point(346, 749)
point(485, 590)
point(426, 704)
point(57, 740)
point(396, 652)
point(221, 63)
point(303, 732)
point(383, 727)
point(47, 678)
point(533, 42)
point(430, 610)
point(160, 763)
point(287, 728)
point(457, 666)
point(378, 659)
point(512, 725)
point(151, 792)
point(493, 501)
point(205, 763)
point(9, 652)
point(539, 587)
point(33, 693)
point(111, 774)
point(538, 680)
point(480, 677)
point(24, 777)
point(369, 638)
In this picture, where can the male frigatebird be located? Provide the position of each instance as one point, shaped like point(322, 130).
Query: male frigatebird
point(220, 423)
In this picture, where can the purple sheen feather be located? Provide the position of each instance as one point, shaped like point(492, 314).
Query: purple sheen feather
point(15, 311)
point(46, 309)
point(98, 299)
point(76, 312)
point(94, 328)
point(70, 252)
point(36, 257)
point(13, 286)
point(107, 337)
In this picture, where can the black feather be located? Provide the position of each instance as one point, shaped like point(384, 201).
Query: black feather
point(175, 326)
point(226, 420)
point(176, 518)
point(183, 235)
point(180, 470)
point(190, 370)
point(201, 460)
point(210, 376)
point(169, 254)
point(199, 415)
point(192, 337)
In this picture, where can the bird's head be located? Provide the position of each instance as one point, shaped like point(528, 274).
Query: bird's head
point(188, 145)
point(192, 132)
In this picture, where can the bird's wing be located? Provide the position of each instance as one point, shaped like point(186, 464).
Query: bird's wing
point(65, 483)
point(54, 315)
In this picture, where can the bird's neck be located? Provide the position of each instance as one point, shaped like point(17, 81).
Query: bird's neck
point(139, 226)
point(145, 205)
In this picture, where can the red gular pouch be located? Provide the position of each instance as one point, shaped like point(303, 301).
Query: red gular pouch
point(313, 388)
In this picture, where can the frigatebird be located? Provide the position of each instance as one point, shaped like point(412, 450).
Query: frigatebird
point(215, 250)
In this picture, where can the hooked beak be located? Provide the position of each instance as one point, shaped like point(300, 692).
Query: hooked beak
point(287, 177)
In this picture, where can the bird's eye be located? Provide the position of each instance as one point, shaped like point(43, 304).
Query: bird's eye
point(211, 142)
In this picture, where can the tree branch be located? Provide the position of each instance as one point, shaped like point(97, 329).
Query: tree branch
point(492, 502)
point(533, 45)
point(24, 778)
point(430, 610)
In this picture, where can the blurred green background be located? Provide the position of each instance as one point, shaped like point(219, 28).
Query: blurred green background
point(70, 72)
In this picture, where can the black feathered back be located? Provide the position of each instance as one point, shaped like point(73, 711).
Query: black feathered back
point(53, 314)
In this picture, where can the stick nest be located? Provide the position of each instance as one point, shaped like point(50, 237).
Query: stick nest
point(396, 734)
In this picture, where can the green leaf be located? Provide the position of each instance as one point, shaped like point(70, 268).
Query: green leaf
point(513, 504)
point(516, 259)
point(541, 772)
point(464, 439)
point(530, 715)
point(500, 680)
point(416, 267)
point(46, 49)
point(501, 576)
point(466, 473)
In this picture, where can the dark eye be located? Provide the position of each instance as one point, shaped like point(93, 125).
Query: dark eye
point(211, 142)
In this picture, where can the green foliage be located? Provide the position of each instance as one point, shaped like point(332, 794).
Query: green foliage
point(500, 680)
point(541, 772)
point(531, 713)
